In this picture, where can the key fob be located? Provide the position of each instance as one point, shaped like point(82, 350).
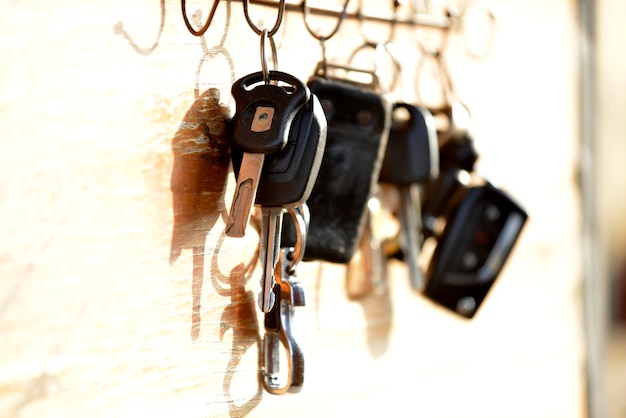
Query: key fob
point(475, 244)
point(265, 111)
point(288, 176)
point(412, 154)
point(358, 122)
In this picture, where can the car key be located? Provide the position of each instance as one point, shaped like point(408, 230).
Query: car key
point(260, 126)
point(411, 158)
point(286, 181)
point(478, 238)
point(358, 123)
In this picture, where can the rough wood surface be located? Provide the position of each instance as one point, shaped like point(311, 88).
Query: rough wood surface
point(120, 295)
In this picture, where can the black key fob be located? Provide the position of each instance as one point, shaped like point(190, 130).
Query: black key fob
point(475, 243)
point(288, 176)
point(358, 121)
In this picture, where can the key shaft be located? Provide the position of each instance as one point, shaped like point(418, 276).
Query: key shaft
point(410, 220)
point(245, 192)
point(269, 254)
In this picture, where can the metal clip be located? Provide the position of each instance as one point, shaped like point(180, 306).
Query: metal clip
point(289, 293)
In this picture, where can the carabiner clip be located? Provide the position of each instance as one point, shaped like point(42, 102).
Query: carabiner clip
point(288, 293)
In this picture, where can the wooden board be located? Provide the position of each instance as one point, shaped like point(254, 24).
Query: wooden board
point(99, 319)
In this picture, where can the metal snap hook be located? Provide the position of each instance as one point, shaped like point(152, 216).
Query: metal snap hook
point(288, 293)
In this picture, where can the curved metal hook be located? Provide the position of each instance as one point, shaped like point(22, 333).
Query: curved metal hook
point(183, 6)
point(320, 38)
point(392, 26)
point(342, 15)
point(265, 36)
point(279, 18)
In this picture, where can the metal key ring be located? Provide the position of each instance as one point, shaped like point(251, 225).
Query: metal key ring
point(301, 218)
point(279, 18)
point(183, 5)
point(265, 36)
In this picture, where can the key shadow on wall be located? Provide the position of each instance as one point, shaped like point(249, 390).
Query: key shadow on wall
point(241, 317)
point(199, 177)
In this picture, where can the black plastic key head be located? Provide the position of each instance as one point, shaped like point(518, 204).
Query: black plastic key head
point(477, 240)
point(288, 176)
point(412, 154)
point(264, 112)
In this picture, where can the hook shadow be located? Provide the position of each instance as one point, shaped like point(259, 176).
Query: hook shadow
point(120, 30)
point(240, 316)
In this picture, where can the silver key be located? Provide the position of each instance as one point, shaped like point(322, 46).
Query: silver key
point(248, 179)
point(245, 193)
point(269, 253)
point(411, 232)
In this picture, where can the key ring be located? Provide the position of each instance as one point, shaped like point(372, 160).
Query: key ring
point(279, 18)
point(301, 218)
point(265, 36)
point(183, 5)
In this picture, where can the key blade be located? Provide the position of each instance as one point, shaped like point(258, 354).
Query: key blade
point(412, 232)
point(269, 253)
point(245, 193)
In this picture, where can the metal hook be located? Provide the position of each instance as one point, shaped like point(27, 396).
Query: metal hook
point(447, 87)
point(183, 5)
point(264, 67)
point(342, 15)
point(320, 38)
point(288, 293)
point(392, 21)
point(279, 18)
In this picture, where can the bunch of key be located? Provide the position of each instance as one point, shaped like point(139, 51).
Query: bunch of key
point(481, 224)
point(278, 136)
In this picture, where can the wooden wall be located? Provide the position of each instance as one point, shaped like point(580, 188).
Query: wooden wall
point(110, 309)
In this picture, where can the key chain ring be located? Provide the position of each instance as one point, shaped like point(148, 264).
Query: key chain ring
point(301, 217)
point(279, 18)
point(205, 27)
point(265, 37)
